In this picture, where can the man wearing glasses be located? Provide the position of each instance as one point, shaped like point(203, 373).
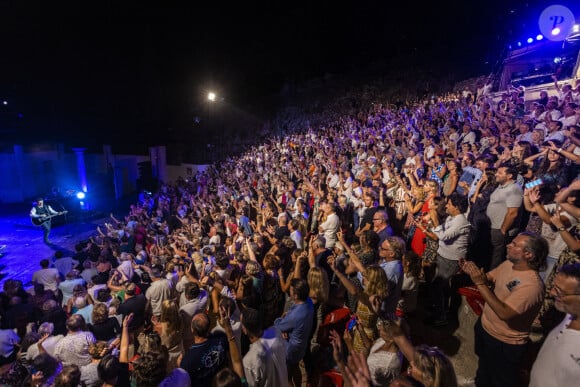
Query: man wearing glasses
point(558, 363)
point(381, 225)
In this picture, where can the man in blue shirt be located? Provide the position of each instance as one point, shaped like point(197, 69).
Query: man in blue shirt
point(296, 327)
point(471, 175)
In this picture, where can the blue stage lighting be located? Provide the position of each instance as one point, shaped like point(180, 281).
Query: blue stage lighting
point(539, 37)
point(519, 44)
point(80, 195)
point(530, 40)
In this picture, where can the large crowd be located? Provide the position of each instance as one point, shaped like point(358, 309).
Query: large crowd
point(302, 260)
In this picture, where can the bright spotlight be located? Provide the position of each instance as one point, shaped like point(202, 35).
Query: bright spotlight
point(211, 96)
point(539, 37)
point(80, 195)
point(557, 60)
point(556, 31)
point(519, 44)
point(576, 28)
point(530, 40)
point(4, 102)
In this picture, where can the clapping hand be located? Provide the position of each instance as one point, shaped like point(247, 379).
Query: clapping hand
point(476, 274)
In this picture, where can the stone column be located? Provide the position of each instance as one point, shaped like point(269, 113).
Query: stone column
point(82, 170)
point(80, 153)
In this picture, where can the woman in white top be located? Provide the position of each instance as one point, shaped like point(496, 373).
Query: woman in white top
point(383, 356)
point(413, 159)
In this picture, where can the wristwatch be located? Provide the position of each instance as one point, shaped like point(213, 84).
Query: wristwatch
point(561, 228)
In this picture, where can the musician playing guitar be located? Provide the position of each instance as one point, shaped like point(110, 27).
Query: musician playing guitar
point(41, 215)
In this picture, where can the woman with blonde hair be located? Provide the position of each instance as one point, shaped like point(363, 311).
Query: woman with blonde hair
point(319, 286)
point(431, 367)
point(430, 190)
point(89, 374)
point(375, 290)
point(104, 328)
point(427, 365)
point(169, 328)
point(319, 293)
point(367, 254)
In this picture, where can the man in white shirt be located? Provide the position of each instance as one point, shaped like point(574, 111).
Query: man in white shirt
point(214, 237)
point(160, 290)
point(49, 277)
point(49, 344)
point(555, 132)
point(428, 148)
point(558, 362)
point(331, 226)
point(295, 235)
point(333, 179)
point(525, 133)
point(552, 111)
point(265, 362)
point(569, 118)
point(468, 136)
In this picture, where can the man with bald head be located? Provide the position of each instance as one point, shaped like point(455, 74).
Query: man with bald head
point(207, 355)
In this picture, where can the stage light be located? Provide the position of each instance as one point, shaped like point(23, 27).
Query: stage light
point(557, 60)
point(530, 40)
point(539, 37)
point(211, 96)
point(576, 28)
point(4, 102)
point(519, 44)
point(555, 31)
point(509, 47)
point(80, 195)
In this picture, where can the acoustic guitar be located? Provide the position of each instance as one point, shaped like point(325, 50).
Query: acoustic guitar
point(40, 221)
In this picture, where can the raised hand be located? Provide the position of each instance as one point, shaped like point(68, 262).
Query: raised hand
point(336, 342)
point(534, 195)
point(357, 370)
point(332, 262)
point(556, 220)
point(127, 320)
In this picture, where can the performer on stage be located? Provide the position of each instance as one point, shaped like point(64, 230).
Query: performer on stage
point(42, 214)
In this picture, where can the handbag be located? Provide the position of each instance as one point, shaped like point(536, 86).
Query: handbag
point(430, 252)
point(410, 225)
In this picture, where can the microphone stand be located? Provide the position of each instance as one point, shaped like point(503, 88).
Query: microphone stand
point(66, 223)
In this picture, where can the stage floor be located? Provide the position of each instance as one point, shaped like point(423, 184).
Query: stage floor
point(25, 247)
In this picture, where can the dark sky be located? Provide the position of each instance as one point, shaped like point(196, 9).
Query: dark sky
point(125, 69)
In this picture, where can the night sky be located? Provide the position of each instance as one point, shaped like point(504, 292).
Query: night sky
point(121, 70)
